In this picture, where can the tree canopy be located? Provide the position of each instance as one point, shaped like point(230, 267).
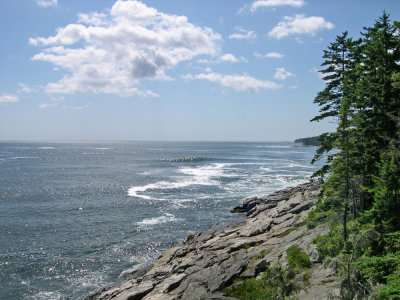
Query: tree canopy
point(362, 156)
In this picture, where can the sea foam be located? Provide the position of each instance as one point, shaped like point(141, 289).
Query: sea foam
point(159, 220)
point(203, 175)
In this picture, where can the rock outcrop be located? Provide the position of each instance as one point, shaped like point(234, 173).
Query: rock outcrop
point(210, 261)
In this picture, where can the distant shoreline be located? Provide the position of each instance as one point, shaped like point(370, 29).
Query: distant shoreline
point(309, 141)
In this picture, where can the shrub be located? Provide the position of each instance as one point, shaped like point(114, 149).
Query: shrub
point(297, 258)
point(330, 245)
point(275, 283)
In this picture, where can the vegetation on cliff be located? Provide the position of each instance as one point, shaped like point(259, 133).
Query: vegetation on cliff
point(361, 192)
point(309, 141)
point(360, 197)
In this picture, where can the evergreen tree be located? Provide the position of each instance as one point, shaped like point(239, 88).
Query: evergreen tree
point(377, 99)
point(386, 207)
point(338, 63)
point(336, 102)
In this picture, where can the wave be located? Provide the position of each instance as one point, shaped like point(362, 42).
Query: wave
point(265, 169)
point(46, 148)
point(159, 220)
point(204, 175)
point(275, 146)
point(292, 165)
point(187, 159)
point(133, 191)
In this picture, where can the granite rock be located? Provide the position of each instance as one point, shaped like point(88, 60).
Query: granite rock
point(210, 261)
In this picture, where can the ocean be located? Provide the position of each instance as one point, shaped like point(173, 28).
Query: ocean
point(75, 217)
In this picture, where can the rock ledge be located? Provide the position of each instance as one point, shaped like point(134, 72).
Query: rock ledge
point(210, 261)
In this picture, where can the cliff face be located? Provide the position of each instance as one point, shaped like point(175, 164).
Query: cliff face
point(212, 260)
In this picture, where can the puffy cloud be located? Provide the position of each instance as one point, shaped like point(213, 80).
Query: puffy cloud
point(299, 25)
point(282, 74)
point(8, 98)
point(242, 83)
point(274, 3)
point(269, 55)
point(274, 55)
point(47, 3)
point(243, 34)
point(93, 18)
point(110, 53)
point(229, 58)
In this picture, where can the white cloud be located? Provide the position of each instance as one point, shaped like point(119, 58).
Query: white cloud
point(282, 74)
point(47, 3)
point(111, 52)
point(242, 83)
point(25, 89)
point(93, 18)
point(47, 105)
point(83, 106)
point(274, 3)
point(243, 34)
point(299, 25)
point(8, 98)
point(229, 58)
point(274, 55)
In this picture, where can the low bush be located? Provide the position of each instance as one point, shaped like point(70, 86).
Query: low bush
point(297, 258)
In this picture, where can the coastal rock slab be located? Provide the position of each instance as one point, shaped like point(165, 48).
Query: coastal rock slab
point(211, 260)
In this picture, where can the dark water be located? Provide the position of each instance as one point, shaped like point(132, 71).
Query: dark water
point(75, 216)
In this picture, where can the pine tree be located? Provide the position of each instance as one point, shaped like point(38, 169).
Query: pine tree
point(386, 207)
point(338, 63)
point(377, 100)
point(336, 102)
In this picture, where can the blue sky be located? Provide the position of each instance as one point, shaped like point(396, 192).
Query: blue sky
point(221, 70)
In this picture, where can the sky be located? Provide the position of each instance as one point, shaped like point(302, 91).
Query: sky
point(176, 70)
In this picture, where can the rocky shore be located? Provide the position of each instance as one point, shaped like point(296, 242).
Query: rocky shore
point(212, 260)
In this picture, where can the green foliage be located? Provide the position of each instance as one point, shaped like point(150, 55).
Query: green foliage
point(386, 190)
point(392, 242)
point(324, 210)
point(315, 218)
point(361, 192)
point(263, 253)
point(392, 289)
point(331, 244)
point(247, 246)
point(361, 196)
point(378, 267)
point(309, 141)
point(297, 258)
point(250, 289)
point(275, 283)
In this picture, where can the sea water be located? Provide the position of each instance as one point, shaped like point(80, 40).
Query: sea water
point(74, 217)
